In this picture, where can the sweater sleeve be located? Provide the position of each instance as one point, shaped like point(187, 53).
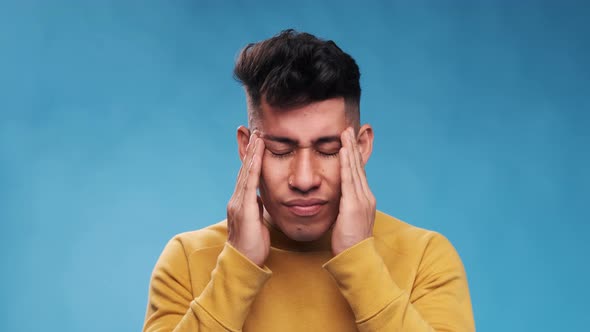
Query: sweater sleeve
point(439, 300)
point(223, 304)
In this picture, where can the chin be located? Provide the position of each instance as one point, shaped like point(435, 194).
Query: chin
point(303, 236)
point(304, 233)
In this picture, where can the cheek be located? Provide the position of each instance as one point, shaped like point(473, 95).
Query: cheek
point(331, 172)
point(273, 172)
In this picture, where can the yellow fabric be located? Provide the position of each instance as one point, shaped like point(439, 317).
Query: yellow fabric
point(402, 279)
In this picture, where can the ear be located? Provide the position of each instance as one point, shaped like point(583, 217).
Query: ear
point(243, 138)
point(364, 140)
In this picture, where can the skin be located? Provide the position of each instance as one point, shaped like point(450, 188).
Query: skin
point(308, 165)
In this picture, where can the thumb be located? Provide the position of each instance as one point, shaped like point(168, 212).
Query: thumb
point(260, 206)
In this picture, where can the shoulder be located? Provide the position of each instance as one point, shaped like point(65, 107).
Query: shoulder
point(426, 253)
point(211, 236)
point(177, 252)
point(405, 238)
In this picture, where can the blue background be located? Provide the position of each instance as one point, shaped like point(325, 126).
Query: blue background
point(117, 131)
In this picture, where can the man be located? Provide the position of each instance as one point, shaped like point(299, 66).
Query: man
point(310, 252)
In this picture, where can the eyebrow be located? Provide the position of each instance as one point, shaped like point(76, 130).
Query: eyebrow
point(289, 141)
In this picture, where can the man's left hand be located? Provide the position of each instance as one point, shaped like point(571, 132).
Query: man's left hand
point(357, 204)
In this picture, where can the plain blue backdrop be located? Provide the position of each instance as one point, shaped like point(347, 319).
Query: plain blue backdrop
point(117, 131)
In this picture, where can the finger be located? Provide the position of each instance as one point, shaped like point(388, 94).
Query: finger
point(242, 174)
point(365, 184)
point(360, 169)
point(253, 174)
point(246, 156)
point(346, 184)
point(354, 164)
point(246, 205)
point(348, 187)
point(260, 204)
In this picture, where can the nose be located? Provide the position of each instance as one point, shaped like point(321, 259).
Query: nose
point(304, 175)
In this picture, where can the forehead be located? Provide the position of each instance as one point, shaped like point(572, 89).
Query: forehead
point(305, 123)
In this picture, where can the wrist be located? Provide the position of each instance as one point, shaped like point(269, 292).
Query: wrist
point(252, 254)
point(344, 244)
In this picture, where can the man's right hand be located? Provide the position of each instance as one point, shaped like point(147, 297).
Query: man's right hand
point(246, 231)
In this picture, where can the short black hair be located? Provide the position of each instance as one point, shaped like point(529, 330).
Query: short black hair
point(295, 69)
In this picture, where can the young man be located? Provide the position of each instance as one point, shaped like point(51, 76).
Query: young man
point(310, 252)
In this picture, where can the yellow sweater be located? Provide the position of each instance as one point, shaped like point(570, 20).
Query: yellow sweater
point(402, 279)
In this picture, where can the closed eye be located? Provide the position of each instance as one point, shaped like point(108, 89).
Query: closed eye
point(329, 148)
point(280, 154)
point(328, 154)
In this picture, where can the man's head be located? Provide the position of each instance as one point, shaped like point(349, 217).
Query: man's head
point(302, 93)
point(295, 69)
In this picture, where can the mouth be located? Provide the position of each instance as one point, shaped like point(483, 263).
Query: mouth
point(305, 207)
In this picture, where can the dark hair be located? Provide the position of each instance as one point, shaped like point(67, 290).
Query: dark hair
point(295, 69)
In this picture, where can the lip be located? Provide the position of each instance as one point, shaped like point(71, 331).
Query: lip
point(305, 207)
